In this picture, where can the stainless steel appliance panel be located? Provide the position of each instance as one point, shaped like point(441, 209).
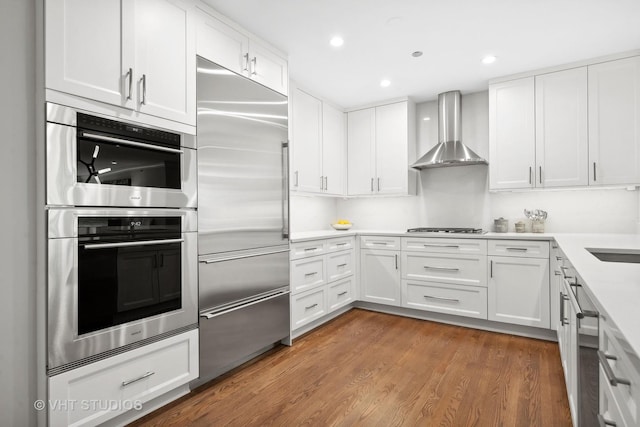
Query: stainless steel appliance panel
point(231, 278)
point(65, 345)
point(242, 162)
point(229, 336)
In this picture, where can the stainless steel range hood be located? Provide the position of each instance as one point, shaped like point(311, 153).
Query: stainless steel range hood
point(450, 151)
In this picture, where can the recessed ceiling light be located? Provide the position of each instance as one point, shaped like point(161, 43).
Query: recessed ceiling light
point(489, 59)
point(385, 83)
point(416, 54)
point(336, 41)
point(426, 119)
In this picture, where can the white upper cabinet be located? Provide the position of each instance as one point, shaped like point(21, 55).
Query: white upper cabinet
point(614, 122)
point(380, 141)
point(134, 54)
point(317, 146)
point(561, 128)
point(239, 52)
point(512, 134)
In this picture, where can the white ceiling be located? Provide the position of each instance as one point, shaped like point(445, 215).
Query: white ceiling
point(454, 35)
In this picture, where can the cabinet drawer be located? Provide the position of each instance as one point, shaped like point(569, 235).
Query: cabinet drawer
point(340, 244)
point(339, 265)
point(380, 242)
point(305, 249)
point(608, 407)
point(445, 245)
point(459, 269)
point(520, 248)
point(308, 306)
point(307, 273)
point(626, 396)
point(137, 375)
point(469, 301)
point(341, 293)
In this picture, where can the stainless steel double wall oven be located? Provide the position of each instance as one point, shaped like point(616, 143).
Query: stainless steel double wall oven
point(122, 235)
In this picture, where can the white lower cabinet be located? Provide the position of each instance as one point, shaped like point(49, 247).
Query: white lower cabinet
point(321, 284)
point(460, 300)
point(380, 276)
point(518, 288)
point(92, 394)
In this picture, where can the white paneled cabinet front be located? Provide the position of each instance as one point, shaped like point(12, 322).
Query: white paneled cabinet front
point(561, 128)
point(379, 142)
point(141, 54)
point(614, 122)
point(334, 150)
point(139, 375)
point(512, 134)
point(380, 276)
point(518, 290)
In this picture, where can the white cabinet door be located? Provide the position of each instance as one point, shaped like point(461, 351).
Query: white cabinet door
point(614, 122)
point(519, 291)
point(83, 49)
point(307, 143)
point(267, 68)
point(361, 134)
point(165, 59)
point(380, 276)
point(391, 148)
point(219, 43)
point(561, 128)
point(334, 150)
point(512, 134)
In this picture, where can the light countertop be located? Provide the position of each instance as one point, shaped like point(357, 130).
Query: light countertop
point(325, 234)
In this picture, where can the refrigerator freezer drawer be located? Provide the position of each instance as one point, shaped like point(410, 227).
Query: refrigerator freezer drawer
point(225, 280)
point(230, 336)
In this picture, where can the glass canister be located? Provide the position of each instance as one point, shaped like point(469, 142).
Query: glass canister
point(501, 225)
point(537, 225)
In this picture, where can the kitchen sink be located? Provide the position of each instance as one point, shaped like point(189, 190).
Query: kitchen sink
point(616, 255)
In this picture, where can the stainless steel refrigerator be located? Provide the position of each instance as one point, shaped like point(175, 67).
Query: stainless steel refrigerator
point(243, 218)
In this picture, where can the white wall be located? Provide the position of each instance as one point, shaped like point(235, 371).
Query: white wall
point(459, 196)
point(18, 214)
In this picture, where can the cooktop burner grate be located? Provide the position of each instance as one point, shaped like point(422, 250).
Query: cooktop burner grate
point(462, 230)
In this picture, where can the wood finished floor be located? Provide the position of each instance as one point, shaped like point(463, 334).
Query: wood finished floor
point(372, 369)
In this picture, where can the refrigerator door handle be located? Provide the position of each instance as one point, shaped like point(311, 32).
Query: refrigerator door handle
point(285, 190)
point(243, 304)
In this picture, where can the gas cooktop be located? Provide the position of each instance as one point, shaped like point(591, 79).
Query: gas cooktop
point(451, 230)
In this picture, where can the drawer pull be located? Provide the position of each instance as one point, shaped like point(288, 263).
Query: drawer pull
point(342, 244)
point(342, 293)
point(311, 274)
point(611, 376)
point(379, 243)
point(602, 422)
point(311, 306)
point(517, 249)
point(146, 375)
point(442, 298)
point(310, 249)
point(342, 265)
point(558, 273)
point(434, 245)
point(428, 267)
point(558, 258)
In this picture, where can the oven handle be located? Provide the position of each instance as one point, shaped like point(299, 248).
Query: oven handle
point(129, 244)
point(131, 143)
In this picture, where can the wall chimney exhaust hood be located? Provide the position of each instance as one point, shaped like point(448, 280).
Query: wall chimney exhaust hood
point(450, 151)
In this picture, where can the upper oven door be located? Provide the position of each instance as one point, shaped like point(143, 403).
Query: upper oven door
point(92, 168)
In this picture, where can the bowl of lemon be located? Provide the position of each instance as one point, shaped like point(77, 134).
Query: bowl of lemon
point(342, 224)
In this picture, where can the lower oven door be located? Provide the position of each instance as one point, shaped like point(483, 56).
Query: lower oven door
point(105, 296)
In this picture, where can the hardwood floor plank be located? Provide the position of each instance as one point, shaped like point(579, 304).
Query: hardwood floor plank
point(372, 369)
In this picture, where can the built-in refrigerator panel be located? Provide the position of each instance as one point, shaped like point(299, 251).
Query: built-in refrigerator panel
point(242, 163)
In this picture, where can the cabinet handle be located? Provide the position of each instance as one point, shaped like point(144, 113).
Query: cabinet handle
point(130, 77)
point(341, 265)
point(434, 245)
point(396, 261)
point(321, 183)
point(491, 268)
point(311, 306)
point(558, 258)
point(378, 184)
point(604, 422)
point(372, 185)
point(309, 249)
point(530, 182)
point(558, 273)
point(145, 375)
point(540, 174)
point(311, 274)
point(517, 249)
point(442, 298)
point(441, 268)
point(296, 175)
point(254, 69)
point(379, 243)
point(342, 293)
point(594, 172)
point(341, 244)
point(608, 371)
point(326, 185)
point(246, 62)
point(144, 90)
point(563, 319)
